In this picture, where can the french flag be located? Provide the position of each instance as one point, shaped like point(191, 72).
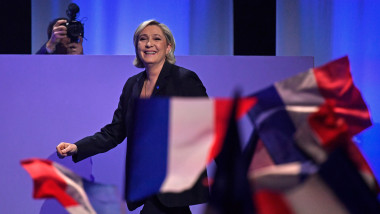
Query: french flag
point(52, 180)
point(173, 140)
point(75, 194)
point(302, 187)
point(284, 107)
point(336, 187)
point(306, 124)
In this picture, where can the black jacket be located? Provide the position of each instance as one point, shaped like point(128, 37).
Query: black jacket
point(172, 81)
point(42, 50)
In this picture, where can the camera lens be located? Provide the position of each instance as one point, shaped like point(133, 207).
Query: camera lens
point(74, 30)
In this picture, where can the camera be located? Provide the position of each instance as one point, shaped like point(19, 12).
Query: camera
point(74, 28)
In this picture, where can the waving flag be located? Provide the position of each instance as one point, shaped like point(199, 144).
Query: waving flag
point(230, 190)
point(306, 124)
point(323, 132)
point(76, 195)
point(284, 107)
point(172, 142)
point(336, 187)
point(338, 177)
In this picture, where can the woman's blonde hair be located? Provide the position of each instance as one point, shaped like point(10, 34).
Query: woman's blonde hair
point(169, 39)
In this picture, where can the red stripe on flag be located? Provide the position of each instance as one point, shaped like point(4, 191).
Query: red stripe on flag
point(332, 132)
point(47, 183)
point(336, 85)
point(222, 110)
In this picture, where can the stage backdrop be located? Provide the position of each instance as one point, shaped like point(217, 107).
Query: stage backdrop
point(49, 99)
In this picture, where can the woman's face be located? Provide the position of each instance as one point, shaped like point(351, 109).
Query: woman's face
point(152, 46)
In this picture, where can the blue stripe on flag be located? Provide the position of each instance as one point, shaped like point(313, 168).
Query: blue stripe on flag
point(147, 149)
point(104, 198)
point(275, 127)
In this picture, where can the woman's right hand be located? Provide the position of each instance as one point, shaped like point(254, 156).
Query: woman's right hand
point(66, 149)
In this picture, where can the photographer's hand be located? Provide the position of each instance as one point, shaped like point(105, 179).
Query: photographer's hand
point(59, 32)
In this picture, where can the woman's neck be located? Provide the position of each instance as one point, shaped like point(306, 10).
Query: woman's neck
point(153, 71)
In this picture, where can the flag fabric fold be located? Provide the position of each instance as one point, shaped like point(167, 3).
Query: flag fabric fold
point(230, 190)
point(335, 187)
point(323, 133)
point(173, 140)
point(283, 108)
point(306, 124)
point(75, 194)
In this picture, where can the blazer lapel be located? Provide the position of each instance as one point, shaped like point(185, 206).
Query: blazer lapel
point(162, 79)
point(137, 87)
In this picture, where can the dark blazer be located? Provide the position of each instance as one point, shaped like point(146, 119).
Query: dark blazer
point(42, 50)
point(172, 81)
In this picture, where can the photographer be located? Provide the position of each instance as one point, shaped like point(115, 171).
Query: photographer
point(59, 42)
point(65, 35)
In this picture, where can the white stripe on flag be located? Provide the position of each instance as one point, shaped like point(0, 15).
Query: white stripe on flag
point(300, 90)
point(277, 177)
point(74, 189)
point(302, 109)
point(77, 209)
point(314, 197)
point(189, 141)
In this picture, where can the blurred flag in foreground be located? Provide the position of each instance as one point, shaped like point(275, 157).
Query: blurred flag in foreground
point(336, 187)
point(284, 108)
point(230, 190)
point(340, 182)
point(77, 195)
point(173, 140)
point(306, 124)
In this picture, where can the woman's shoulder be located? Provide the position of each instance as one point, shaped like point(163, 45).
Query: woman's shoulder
point(188, 82)
point(183, 73)
point(132, 80)
point(136, 76)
